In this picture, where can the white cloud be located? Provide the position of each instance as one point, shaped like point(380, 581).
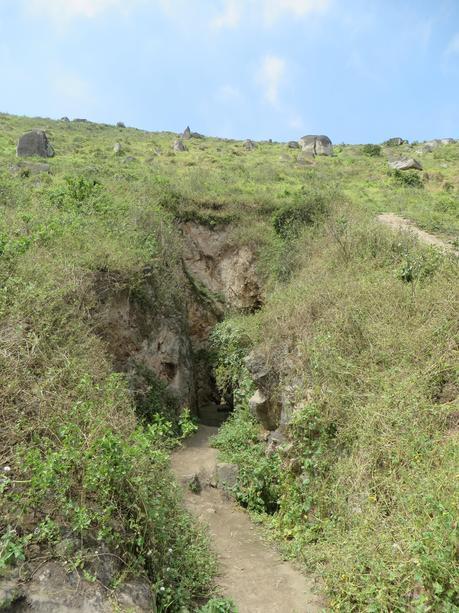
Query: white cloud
point(230, 17)
point(274, 9)
point(62, 11)
point(453, 46)
point(236, 12)
point(270, 76)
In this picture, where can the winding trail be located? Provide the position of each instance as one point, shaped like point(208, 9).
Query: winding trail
point(399, 223)
point(252, 573)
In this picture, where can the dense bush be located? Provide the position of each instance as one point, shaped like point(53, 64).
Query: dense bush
point(306, 209)
point(372, 151)
point(407, 178)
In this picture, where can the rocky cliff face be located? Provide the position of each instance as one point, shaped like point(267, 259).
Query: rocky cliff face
point(171, 341)
point(226, 270)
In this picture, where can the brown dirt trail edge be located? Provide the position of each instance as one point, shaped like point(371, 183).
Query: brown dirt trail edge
point(398, 223)
point(252, 573)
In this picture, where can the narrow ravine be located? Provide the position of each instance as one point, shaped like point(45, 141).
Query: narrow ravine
point(252, 573)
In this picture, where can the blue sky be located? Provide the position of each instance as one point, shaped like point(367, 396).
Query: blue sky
point(356, 70)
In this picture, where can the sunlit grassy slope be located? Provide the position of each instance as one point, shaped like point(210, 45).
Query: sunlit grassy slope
point(363, 322)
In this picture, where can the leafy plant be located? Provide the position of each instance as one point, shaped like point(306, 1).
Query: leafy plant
point(407, 178)
point(306, 209)
point(219, 605)
point(372, 150)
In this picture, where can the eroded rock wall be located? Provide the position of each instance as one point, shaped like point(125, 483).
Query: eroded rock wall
point(172, 340)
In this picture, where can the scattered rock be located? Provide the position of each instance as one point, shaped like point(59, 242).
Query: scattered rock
point(249, 145)
point(179, 146)
point(316, 144)
point(197, 135)
point(262, 373)
point(293, 144)
point(427, 148)
point(120, 124)
point(65, 119)
point(194, 484)
point(395, 142)
point(34, 143)
point(264, 410)
point(275, 439)
point(53, 590)
point(10, 594)
point(227, 475)
point(26, 169)
point(406, 164)
point(135, 596)
point(306, 158)
point(80, 120)
point(117, 149)
point(186, 133)
point(284, 157)
point(129, 159)
point(430, 145)
point(448, 141)
point(104, 565)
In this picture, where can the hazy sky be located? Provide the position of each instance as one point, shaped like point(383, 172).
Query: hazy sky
point(356, 70)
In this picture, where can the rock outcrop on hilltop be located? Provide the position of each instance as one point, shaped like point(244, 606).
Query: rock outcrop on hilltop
point(395, 142)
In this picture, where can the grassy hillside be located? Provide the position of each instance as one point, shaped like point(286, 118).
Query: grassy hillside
point(363, 323)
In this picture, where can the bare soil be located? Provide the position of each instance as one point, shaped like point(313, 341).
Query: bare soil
point(400, 224)
point(252, 573)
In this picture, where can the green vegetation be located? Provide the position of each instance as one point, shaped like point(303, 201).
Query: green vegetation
point(362, 324)
point(373, 151)
point(365, 488)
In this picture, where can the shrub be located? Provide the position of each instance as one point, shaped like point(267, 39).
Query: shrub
point(306, 209)
point(372, 150)
point(109, 487)
point(407, 178)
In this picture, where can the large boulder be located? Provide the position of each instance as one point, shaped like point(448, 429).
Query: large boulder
point(293, 145)
point(186, 133)
point(117, 149)
point(406, 164)
point(34, 143)
point(249, 145)
point(316, 144)
point(396, 141)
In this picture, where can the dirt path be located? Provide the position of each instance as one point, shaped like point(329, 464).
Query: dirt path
point(252, 573)
point(399, 223)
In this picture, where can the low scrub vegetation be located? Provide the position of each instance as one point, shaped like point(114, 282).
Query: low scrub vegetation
point(364, 487)
point(361, 323)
